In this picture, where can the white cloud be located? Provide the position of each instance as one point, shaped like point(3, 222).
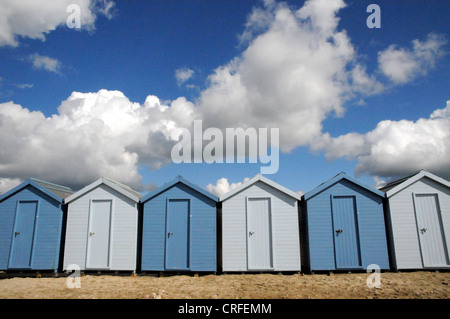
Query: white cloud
point(297, 68)
point(93, 135)
point(25, 86)
point(42, 62)
point(402, 65)
point(223, 186)
point(396, 148)
point(8, 183)
point(182, 75)
point(105, 7)
point(35, 19)
point(379, 182)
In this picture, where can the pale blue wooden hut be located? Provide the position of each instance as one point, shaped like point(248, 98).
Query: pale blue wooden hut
point(343, 226)
point(260, 227)
point(31, 223)
point(102, 227)
point(418, 219)
point(179, 231)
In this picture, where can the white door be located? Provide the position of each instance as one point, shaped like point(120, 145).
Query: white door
point(259, 240)
point(431, 235)
point(99, 235)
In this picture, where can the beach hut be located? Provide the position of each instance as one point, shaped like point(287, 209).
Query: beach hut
point(260, 227)
point(344, 226)
point(102, 225)
point(418, 219)
point(31, 222)
point(179, 231)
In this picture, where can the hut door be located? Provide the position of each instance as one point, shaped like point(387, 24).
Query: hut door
point(431, 235)
point(259, 241)
point(22, 241)
point(177, 243)
point(345, 231)
point(99, 235)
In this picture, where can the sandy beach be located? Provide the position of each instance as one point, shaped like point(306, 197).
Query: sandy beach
point(401, 285)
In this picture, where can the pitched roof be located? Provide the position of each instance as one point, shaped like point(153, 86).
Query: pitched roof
point(395, 182)
point(260, 178)
point(55, 191)
point(59, 190)
point(119, 187)
point(336, 179)
point(400, 184)
point(178, 179)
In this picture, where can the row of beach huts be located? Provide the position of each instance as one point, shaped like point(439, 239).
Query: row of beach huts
point(260, 226)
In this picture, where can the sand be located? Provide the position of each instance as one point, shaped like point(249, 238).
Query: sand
point(401, 285)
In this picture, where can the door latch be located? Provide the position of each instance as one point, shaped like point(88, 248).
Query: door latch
point(91, 233)
point(339, 231)
point(16, 233)
point(169, 234)
point(423, 230)
point(250, 233)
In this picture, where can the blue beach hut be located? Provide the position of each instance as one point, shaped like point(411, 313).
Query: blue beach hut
point(179, 230)
point(344, 226)
point(31, 223)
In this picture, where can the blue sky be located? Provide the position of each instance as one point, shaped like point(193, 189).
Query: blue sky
point(135, 48)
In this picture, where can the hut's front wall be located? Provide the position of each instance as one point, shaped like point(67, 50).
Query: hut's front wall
point(202, 233)
point(47, 231)
point(370, 227)
point(123, 231)
point(403, 226)
point(284, 226)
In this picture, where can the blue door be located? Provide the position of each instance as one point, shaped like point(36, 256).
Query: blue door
point(22, 241)
point(177, 237)
point(345, 231)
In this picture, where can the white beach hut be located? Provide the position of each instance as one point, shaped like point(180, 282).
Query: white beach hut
point(418, 221)
point(102, 226)
point(260, 228)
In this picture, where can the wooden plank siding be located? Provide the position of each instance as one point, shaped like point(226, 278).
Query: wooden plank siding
point(47, 231)
point(284, 226)
point(318, 216)
point(402, 222)
point(202, 233)
point(123, 236)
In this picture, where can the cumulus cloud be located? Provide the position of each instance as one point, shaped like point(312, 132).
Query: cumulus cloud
point(42, 62)
point(396, 148)
point(296, 70)
point(223, 186)
point(8, 183)
point(402, 65)
point(297, 66)
point(182, 75)
point(35, 19)
point(93, 135)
